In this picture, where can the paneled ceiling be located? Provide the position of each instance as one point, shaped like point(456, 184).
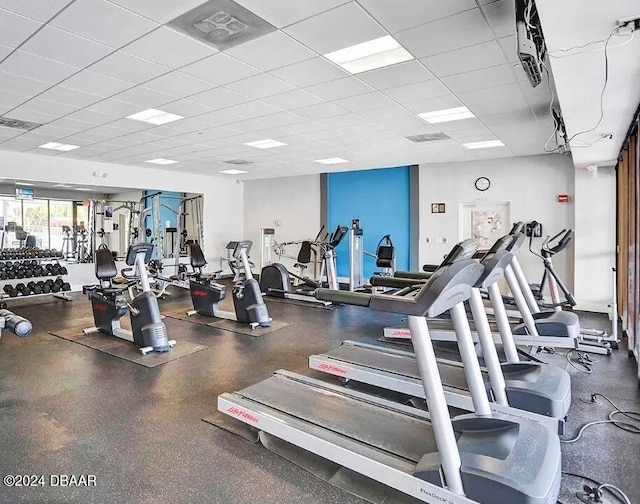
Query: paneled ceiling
point(80, 67)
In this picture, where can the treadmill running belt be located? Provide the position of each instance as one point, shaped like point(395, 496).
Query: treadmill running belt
point(451, 375)
point(381, 428)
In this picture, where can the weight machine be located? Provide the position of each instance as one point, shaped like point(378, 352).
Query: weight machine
point(384, 256)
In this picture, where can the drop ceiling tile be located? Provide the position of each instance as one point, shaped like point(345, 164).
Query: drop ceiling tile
point(218, 118)
point(69, 96)
point(385, 113)
point(117, 108)
point(252, 125)
point(472, 124)
point(510, 47)
point(320, 111)
point(417, 91)
point(160, 11)
point(96, 19)
point(96, 84)
point(219, 98)
point(15, 29)
point(292, 100)
point(405, 126)
point(343, 120)
point(18, 85)
point(505, 92)
point(304, 127)
point(499, 106)
point(454, 32)
point(341, 88)
point(501, 16)
point(85, 138)
point(508, 118)
point(261, 86)
point(271, 51)
point(285, 12)
point(220, 69)
point(185, 108)
point(48, 107)
point(467, 59)
point(364, 102)
point(480, 79)
point(123, 66)
point(433, 104)
point(41, 10)
point(178, 84)
point(6, 133)
point(4, 51)
point(10, 100)
point(252, 109)
point(396, 16)
point(72, 124)
point(310, 72)
point(358, 27)
point(32, 66)
point(397, 75)
point(169, 48)
point(145, 98)
point(282, 119)
point(32, 116)
point(65, 47)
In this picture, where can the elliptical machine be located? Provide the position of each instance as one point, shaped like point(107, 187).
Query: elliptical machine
point(206, 293)
point(275, 279)
point(109, 304)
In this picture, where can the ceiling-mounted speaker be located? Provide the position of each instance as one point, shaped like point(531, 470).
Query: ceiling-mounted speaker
point(222, 24)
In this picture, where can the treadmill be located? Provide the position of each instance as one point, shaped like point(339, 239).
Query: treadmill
point(527, 390)
point(479, 457)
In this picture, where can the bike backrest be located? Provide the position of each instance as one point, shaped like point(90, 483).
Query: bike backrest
point(105, 264)
point(304, 255)
point(385, 252)
point(197, 257)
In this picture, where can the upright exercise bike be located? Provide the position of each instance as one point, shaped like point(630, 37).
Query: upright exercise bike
point(109, 304)
point(206, 293)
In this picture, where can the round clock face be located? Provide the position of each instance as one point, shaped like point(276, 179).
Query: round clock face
point(482, 183)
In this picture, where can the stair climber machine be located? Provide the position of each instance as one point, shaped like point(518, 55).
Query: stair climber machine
point(109, 304)
point(206, 293)
point(481, 457)
point(517, 389)
point(18, 325)
point(275, 279)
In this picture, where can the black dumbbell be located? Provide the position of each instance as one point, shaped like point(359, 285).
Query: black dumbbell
point(63, 270)
point(22, 289)
point(66, 286)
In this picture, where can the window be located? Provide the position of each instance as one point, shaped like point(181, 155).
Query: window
point(11, 211)
point(36, 221)
point(60, 214)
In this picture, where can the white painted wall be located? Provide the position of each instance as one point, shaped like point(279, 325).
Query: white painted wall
point(595, 241)
point(223, 197)
point(294, 201)
point(529, 183)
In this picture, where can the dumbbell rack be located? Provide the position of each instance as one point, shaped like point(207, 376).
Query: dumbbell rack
point(33, 277)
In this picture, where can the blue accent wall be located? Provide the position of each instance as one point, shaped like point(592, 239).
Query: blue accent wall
point(380, 199)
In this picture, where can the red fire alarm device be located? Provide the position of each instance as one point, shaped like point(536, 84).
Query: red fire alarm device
point(563, 198)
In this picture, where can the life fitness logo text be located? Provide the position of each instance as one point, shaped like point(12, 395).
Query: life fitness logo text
point(400, 333)
point(100, 307)
point(332, 369)
point(199, 293)
point(243, 414)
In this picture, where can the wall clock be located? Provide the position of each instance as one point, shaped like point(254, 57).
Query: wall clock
point(482, 183)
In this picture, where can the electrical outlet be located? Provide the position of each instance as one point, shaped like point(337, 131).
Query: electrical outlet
point(277, 223)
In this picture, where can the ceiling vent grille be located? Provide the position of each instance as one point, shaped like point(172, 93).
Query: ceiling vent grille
point(238, 162)
point(431, 137)
point(222, 24)
point(7, 122)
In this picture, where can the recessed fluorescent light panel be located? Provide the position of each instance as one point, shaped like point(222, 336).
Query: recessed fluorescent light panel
point(265, 144)
point(161, 161)
point(86, 189)
point(24, 183)
point(333, 160)
point(59, 147)
point(376, 53)
point(154, 116)
point(447, 115)
point(484, 145)
point(222, 24)
point(61, 185)
point(233, 172)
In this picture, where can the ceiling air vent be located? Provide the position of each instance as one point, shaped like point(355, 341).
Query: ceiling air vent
point(222, 24)
point(238, 162)
point(427, 138)
point(7, 122)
